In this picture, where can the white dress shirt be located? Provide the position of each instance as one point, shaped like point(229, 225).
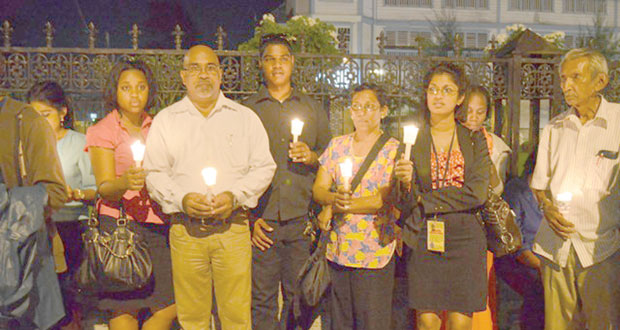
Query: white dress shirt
point(181, 142)
point(582, 160)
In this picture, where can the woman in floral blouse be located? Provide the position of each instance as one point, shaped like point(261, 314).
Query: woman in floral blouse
point(361, 238)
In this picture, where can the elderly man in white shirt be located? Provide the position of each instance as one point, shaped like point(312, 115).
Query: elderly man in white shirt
point(209, 237)
point(575, 182)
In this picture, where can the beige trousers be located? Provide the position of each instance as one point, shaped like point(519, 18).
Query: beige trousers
point(576, 297)
point(219, 262)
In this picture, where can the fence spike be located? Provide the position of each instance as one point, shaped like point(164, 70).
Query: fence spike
point(134, 33)
point(6, 33)
point(178, 36)
point(220, 37)
point(381, 39)
point(92, 35)
point(49, 34)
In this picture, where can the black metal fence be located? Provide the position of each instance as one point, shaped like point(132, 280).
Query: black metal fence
point(328, 78)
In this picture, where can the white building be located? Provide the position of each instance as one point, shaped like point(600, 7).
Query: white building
point(478, 20)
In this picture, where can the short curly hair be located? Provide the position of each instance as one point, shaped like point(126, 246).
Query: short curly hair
point(111, 86)
point(378, 90)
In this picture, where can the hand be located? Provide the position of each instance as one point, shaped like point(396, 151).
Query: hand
point(557, 222)
point(342, 201)
point(69, 193)
point(222, 206)
point(259, 238)
point(133, 178)
point(301, 153)
point(325, 218)
point(196, 205)
point(403, 170)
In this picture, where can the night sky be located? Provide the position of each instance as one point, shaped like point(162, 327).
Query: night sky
point(155, 18)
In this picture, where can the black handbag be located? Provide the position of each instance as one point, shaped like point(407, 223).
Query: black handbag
point(503, 233)
point(113, 262)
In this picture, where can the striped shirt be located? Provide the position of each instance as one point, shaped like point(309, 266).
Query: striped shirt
point(182, 142)
point(581, 159)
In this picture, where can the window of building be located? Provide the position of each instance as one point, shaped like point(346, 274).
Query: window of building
point(344, 39)
point(531, 5)
point(404, 38)
point(474, 40)
point(575, 41)
point(585, 6)
point(466, 4)
point(409, 3)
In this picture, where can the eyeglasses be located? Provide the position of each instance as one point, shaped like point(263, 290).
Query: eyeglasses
point(359, 109)
point(196, 69)
point(446, 91)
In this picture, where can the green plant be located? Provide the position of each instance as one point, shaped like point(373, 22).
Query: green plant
point(318, 37)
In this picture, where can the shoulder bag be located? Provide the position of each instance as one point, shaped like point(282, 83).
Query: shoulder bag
point(113, 262)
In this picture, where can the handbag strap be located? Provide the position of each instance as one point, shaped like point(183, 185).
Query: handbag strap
point(372, 154)
point(19, 152)
point(93, 220)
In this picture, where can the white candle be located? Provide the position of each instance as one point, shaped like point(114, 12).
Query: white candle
point(410, 133)
point(297, 127)
point(209, 174)
point(137, 149)
point(346, 170)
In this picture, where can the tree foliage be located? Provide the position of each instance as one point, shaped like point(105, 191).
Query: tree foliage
point(318, 37)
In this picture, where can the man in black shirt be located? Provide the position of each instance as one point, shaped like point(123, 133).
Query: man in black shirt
point(279, 245)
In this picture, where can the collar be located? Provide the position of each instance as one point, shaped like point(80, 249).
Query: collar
point(222, 103)
point(263, 95)
point(600, 119)
point(146, 119)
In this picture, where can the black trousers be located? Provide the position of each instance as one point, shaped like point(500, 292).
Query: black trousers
point(361, 298)
point(280, 264)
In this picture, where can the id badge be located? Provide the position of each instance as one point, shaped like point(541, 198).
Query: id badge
point(436, 236)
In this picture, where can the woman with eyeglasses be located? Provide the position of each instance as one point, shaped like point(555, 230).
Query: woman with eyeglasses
point(441, 189)
point(361, 240)
point(129, 92)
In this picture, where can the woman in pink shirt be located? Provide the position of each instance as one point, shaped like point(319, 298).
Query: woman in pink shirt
point(129, 92)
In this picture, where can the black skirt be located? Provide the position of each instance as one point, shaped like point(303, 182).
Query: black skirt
point(455, 280)
point(159, 293)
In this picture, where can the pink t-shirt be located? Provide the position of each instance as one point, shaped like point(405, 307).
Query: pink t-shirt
point(110, 134)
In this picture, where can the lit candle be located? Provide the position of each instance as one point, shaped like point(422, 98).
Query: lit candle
point(297, 127)
point(209, 174)
point(137, 149)
point(346, 170)
point(410, 133)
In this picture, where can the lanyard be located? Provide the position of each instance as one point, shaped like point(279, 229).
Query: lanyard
point(441, 181)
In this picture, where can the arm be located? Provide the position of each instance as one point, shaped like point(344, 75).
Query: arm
point(474, 191)
point(111, 187)
point(41, 158)
point(158, 163)
point(88, 187)
point(262, 167)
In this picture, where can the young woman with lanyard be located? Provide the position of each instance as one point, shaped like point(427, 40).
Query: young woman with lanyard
point(446, 183)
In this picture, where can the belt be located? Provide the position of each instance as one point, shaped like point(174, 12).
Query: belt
point(204, 227)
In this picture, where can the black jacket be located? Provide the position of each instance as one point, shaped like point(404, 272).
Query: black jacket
point(449, 201)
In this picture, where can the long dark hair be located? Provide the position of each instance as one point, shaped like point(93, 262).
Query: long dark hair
point(52, 94)
point(109, 90)
point(457, 75)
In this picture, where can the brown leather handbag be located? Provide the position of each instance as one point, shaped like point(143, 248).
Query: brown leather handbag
point(503, 233)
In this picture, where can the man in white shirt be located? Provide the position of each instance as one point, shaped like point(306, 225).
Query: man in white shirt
point(575, 182)
point(209, 237)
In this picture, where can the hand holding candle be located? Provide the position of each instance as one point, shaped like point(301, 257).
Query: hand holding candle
point(137, 149)
point(209, 174)
point(297, 127)
point(410, 133)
